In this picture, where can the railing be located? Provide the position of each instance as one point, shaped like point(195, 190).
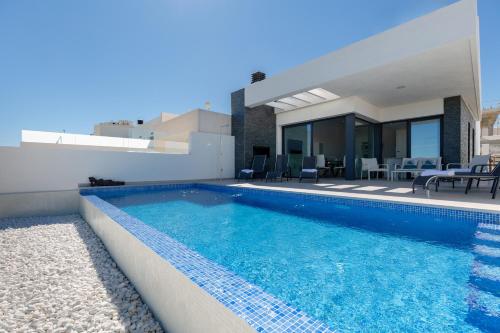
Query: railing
point(104, 142)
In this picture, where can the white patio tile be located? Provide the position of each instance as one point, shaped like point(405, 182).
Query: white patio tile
point(342, 187)
point(370, 188)
point(399, 190)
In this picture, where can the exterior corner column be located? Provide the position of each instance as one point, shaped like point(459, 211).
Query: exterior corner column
point(350, 146)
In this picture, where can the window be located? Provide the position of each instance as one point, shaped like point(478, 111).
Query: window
point(426, 138)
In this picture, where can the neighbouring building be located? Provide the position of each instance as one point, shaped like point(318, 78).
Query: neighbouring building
point(168, 126)
point(411, 91)
point(119, 129)
point(490, 131)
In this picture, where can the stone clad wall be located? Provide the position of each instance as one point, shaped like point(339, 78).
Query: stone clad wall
point(237, 127)
point(251, 127)
point(456, 120)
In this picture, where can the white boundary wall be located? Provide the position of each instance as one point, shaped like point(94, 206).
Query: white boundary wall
point(46, 169)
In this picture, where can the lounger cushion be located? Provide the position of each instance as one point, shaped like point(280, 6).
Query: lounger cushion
point(409, 165)
point(463, 170)
point(438, 173)
point(309, 170)
point(429, 165)
point(247, 171)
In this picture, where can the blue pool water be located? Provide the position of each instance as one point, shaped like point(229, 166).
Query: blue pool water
point(359, 269)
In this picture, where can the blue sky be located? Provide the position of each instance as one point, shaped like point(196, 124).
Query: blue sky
point(70, 64)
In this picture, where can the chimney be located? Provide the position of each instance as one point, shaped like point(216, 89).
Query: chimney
point(140, 122)
point(258, 76)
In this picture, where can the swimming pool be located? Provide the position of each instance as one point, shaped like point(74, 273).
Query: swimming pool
point(354, 265)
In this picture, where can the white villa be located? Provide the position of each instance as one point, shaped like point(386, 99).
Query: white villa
point(411, 91)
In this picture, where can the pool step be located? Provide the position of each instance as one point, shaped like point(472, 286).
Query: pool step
point(492, 237)
point(484, 279)
point(485, 250)
point(489, 227)
point(483, 320)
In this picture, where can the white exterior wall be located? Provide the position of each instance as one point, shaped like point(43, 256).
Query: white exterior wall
point(34, 169)
point(119, 131)
point(198, 120)
point(141, 132)
point(477, 147)
point(431, 107)
point(214, 122)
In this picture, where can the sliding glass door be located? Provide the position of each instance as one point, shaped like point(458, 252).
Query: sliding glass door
point(364, 143)
point(394, 140)
point(297, 144)
point(329, 140)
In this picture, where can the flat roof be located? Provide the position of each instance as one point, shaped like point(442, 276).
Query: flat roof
point(433, 56)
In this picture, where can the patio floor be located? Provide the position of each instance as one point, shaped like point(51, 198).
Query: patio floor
point(397, 191)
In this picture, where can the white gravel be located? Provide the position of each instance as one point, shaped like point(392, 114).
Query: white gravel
point(56, 276)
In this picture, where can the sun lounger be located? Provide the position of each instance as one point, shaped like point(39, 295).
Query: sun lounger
point(309, 168)
point(429, 177)
point(467, 167)
point(258, 167)
point(280, 168)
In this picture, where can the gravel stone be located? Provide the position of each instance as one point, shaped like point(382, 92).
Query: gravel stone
point(57, 276)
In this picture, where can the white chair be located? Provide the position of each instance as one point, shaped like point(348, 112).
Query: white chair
point(339, 169)
point(371, 165)
point(321, 164)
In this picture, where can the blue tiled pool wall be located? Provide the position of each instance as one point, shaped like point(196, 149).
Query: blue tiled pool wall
point(262, 311)
point(466, 215)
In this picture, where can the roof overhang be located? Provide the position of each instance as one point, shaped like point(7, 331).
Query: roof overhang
point(433, 56)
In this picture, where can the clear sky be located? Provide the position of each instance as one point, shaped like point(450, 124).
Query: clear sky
point(70, 64)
